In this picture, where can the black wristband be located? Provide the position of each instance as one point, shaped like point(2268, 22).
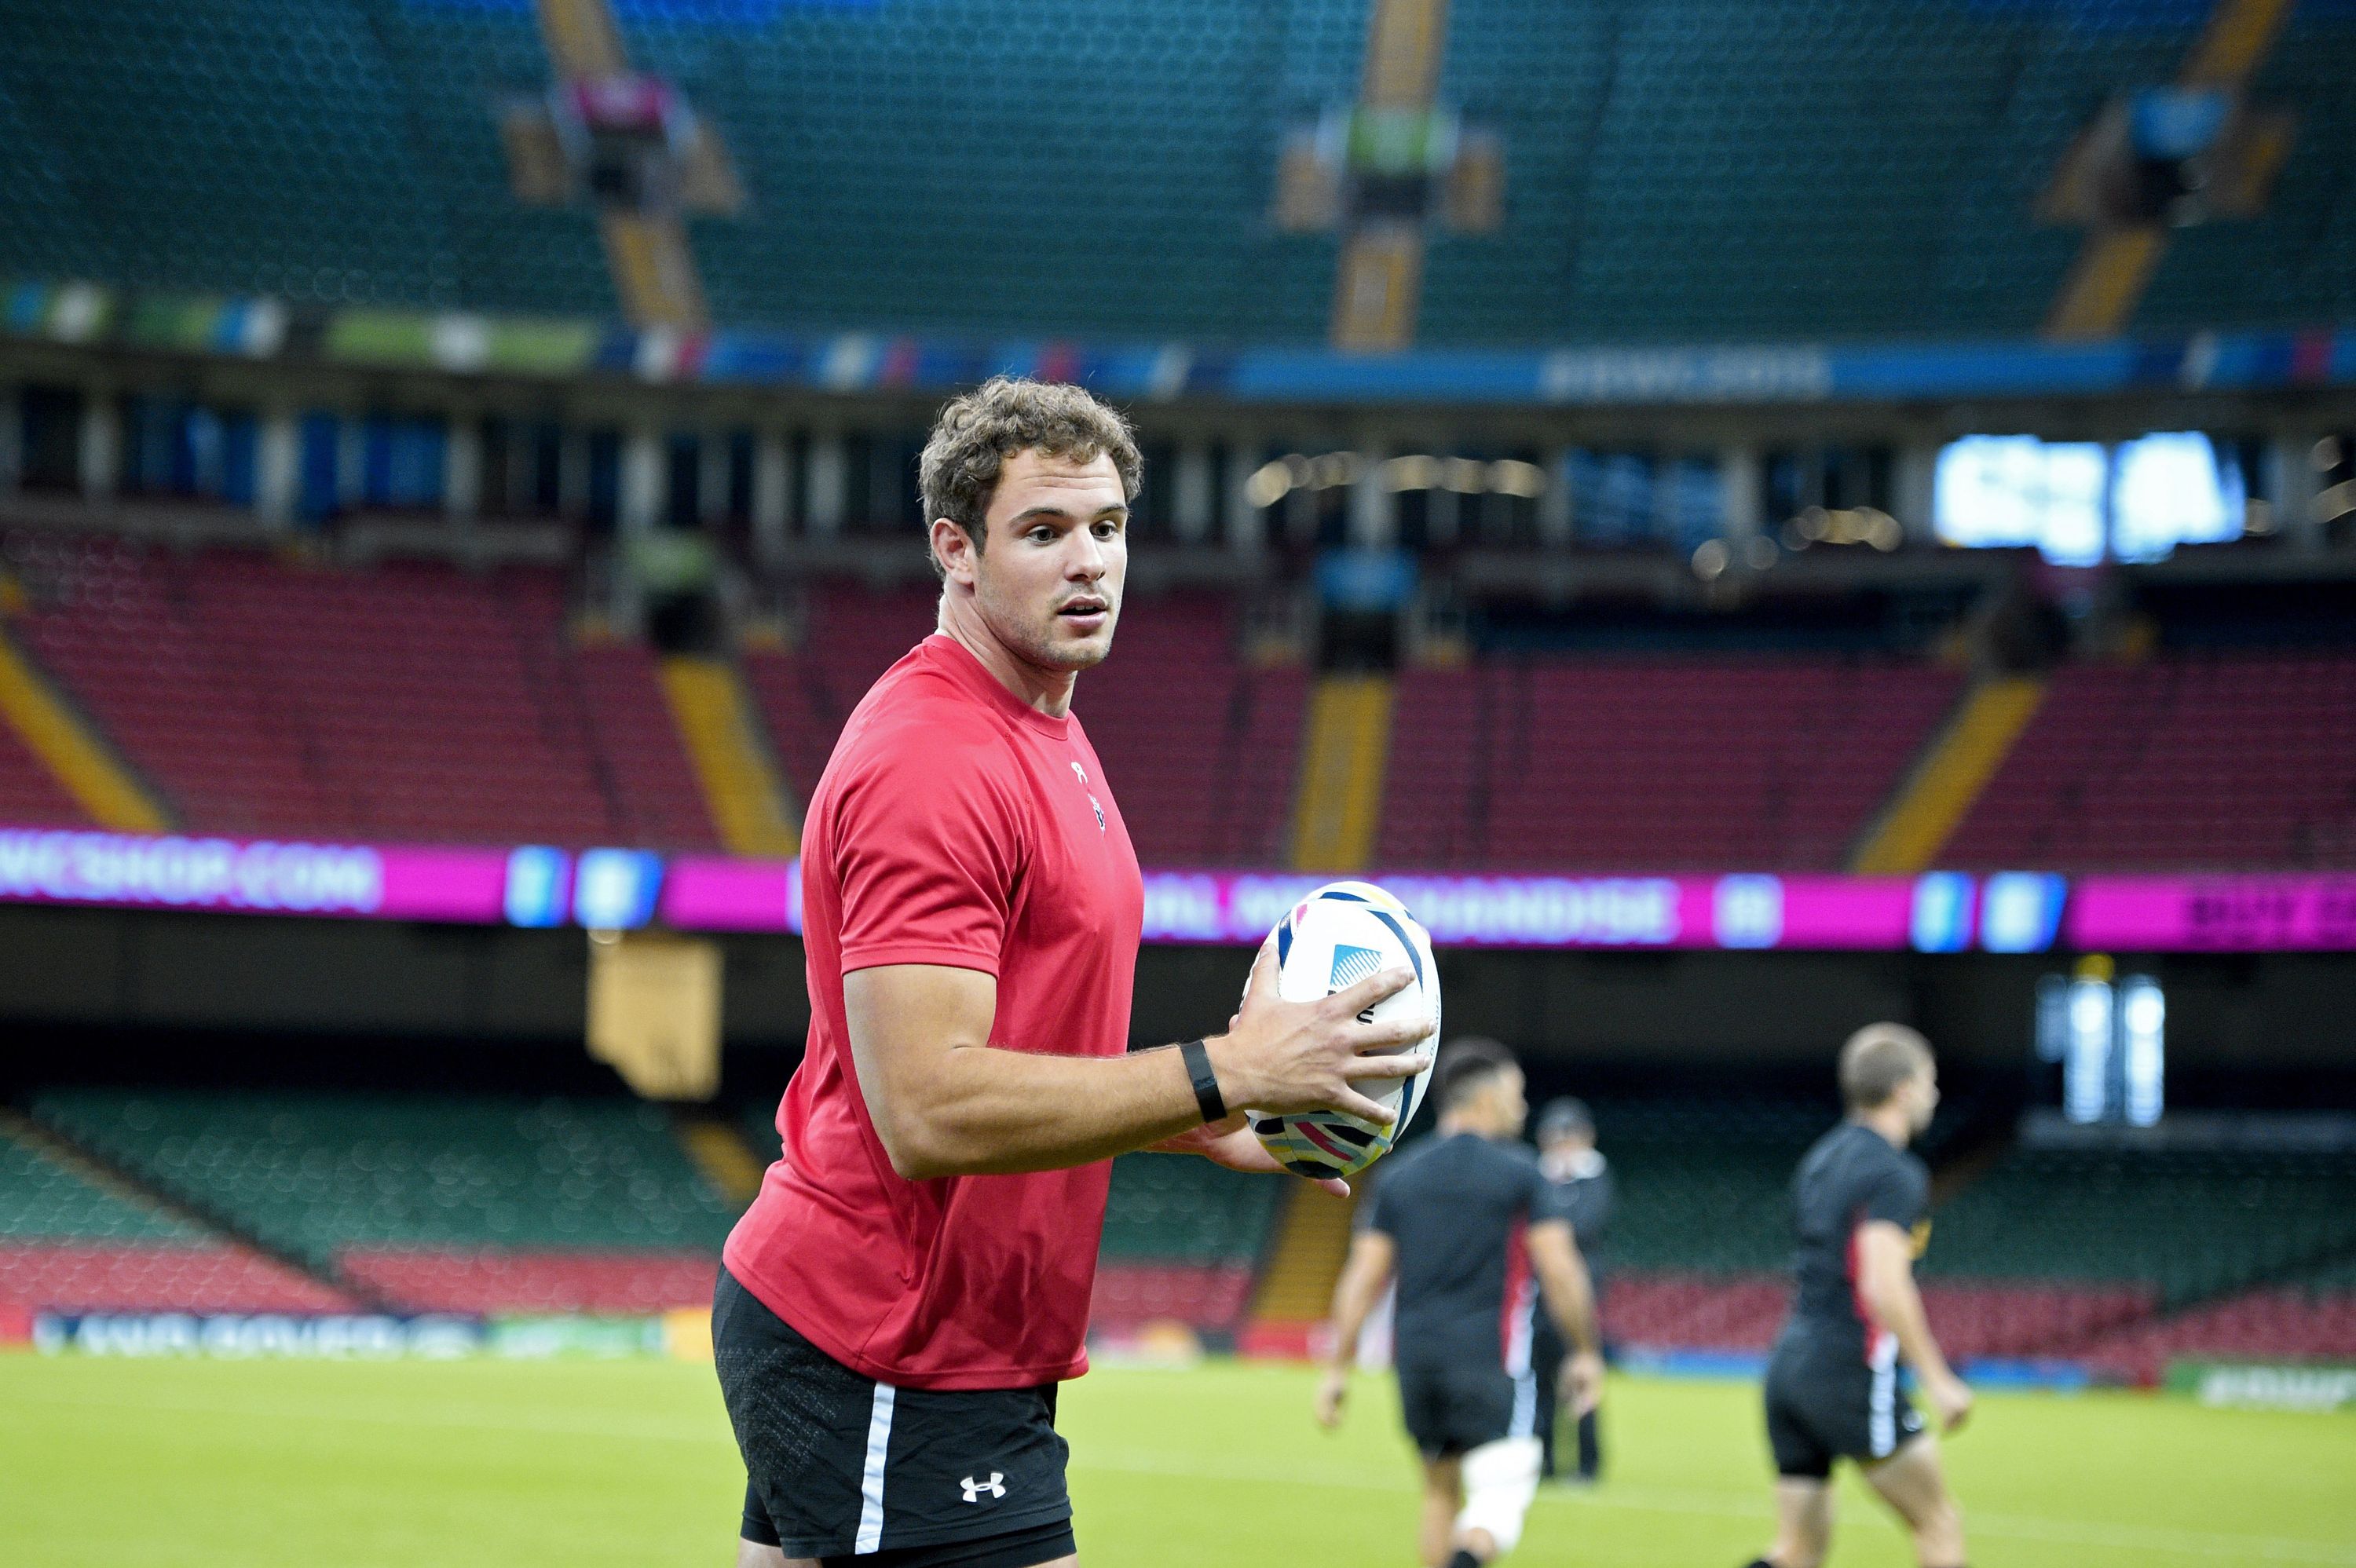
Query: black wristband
point(1197, 1057)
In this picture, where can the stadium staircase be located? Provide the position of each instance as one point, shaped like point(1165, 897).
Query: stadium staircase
point(74, 773)
point(721, 731)
point(1180, 1238)
point(1223, 800)
point(1951, 772)
point(270, 698)
point(723, 1156)
point(1304, 1262)
point(2227, 760)
point(1344, 758)
point(352, 154)
point(1607, 764)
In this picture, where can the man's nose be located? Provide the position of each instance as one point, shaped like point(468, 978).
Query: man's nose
point(1086, 561)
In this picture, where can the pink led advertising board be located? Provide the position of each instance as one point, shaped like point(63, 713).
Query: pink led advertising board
point(253, 876)
point(2254, 913)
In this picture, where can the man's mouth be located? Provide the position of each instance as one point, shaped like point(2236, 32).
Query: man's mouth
point(1087, 608)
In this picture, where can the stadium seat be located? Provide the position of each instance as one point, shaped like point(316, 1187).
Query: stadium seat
point(30, 796)
point(70, 1244)
point(269, 699)
point(420, 1279)
point(1199, 747)
point(2186, 1226)
point(353, 156)
point(1626, 764)
point(318, 1175)
point(2224, 761)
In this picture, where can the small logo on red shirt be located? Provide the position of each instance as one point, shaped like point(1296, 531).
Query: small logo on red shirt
point(1080, 775)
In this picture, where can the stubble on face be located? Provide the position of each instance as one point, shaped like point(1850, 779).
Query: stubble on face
point(1023, 590)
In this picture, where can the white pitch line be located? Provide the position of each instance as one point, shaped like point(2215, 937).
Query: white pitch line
point(2227, 1545)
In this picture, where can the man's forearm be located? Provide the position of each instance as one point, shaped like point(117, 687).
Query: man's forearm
point(1363, 1275)
point(1352, 1303)
point(995, 1112)
point(1899, 1308)
point(1569, 1291)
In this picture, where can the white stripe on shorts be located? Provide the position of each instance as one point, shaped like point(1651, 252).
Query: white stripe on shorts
point(871, 1483)
point(1882, 1407)
point(1526, 1406)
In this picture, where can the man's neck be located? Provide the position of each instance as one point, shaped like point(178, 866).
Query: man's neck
point(1048, 690)
point(1890, 1122)
point(1451, 1125)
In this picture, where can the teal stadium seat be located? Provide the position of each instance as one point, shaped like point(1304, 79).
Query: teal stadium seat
point(315, 1175)
point(2191, 1225)
point(41, 1200)
point(1675, 169)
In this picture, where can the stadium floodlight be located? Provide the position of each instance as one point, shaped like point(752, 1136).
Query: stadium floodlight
point(2143, 1018)
point(2087, 1069)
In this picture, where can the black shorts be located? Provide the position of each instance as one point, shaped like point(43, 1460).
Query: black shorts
point(840, 1467)
point(1452, 1409)
point(1828, 1400)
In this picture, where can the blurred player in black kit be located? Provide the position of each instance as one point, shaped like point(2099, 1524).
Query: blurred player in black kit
point(1474, 1231)
point(1583, 1188)
point(1861, 1204)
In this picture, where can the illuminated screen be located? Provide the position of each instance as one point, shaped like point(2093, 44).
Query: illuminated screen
point(2076, 501)
point(2167, 490)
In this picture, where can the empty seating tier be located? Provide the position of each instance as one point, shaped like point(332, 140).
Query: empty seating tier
point(352, 154)
point(2193, 761)
point(2189, 1226)
point(1182, 1241)
point(318, 1175)
point(71, 1243)
point(1609, 764)
point(30, 794)
point(403, 702)
point(1199, 747)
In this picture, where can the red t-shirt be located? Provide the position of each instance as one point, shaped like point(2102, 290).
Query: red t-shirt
point(954, 825)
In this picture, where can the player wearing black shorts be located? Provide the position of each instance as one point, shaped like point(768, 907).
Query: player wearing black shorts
point(1862, 1205)
point(1473, 1230)
point(1583, 1182)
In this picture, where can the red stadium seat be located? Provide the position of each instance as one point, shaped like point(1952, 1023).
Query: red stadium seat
point(434, 1280)
point(83, 1276)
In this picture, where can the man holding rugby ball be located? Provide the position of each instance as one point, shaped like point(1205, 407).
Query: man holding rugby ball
point(900, 1301)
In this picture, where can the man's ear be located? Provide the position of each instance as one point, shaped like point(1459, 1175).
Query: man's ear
point(953, 548)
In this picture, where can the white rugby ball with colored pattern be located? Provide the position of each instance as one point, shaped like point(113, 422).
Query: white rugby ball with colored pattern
point(1330, 941)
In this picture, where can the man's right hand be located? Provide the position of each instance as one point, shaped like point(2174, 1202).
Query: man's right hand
point(1951, 1402)
point(1279, 1057)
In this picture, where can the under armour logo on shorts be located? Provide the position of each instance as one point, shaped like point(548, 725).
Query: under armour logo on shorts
point(995, 1486)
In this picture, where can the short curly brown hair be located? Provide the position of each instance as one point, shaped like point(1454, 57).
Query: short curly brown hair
point(978, 432)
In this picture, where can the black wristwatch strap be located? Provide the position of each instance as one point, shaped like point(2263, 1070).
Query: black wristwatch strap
point(1197, 1057)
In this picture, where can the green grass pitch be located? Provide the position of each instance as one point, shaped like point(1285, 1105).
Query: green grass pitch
point(490, 1464)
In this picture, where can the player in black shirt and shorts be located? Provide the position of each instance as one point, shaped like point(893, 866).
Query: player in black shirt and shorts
point(1473, 1231)
point(1861, 1204)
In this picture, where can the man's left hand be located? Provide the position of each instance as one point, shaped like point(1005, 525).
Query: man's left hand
point(1582, 1382)
point(1232, 1144)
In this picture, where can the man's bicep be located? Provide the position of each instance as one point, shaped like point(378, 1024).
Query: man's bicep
point(1373, 1252)
point(1553, 1247)
point(1885, 1254)
point(925, 873)
point(903, 1018)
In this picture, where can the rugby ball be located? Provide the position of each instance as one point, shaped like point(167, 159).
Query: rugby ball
point(1330, 941)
